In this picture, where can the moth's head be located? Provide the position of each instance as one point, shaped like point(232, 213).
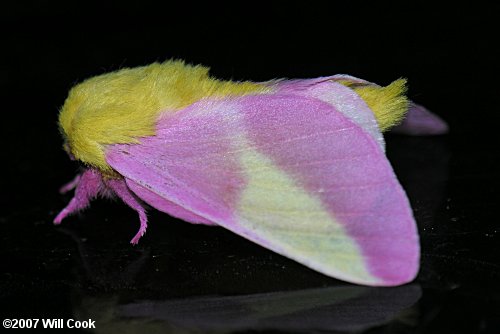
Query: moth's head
point(105, 110)
point(123, 106)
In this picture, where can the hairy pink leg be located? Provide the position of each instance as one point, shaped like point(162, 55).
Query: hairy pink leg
point(88, 186)
point(123, 192)
point(70, 185)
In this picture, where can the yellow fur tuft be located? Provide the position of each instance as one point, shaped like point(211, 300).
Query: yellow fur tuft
point(389, 104)
point(121, 106)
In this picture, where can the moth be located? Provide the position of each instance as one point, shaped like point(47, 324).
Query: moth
point(296, 166)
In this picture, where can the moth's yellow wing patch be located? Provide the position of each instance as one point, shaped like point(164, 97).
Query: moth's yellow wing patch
point(293, 222)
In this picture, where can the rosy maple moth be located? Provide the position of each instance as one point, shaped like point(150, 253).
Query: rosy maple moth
point(297, 166)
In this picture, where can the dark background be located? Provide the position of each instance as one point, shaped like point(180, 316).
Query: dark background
point(87, 268)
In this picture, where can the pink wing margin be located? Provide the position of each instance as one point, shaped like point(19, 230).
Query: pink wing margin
point(192, 169)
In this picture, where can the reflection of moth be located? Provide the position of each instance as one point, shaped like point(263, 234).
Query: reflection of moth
point(295, 166)
point(339, 308)
point(333, 309)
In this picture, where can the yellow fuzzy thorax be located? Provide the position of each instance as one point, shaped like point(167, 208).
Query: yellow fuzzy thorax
point(122, 106)
point(119, 107)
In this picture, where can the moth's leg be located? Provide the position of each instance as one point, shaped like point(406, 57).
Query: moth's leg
point(88, 186)
point(121, 190)
point(70, 185)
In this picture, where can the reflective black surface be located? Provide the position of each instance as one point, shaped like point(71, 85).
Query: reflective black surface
point(194, 279)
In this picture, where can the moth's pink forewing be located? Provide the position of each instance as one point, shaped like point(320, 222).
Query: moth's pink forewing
point(193, 163)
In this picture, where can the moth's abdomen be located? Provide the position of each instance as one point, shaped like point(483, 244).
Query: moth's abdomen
point(389, 104)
